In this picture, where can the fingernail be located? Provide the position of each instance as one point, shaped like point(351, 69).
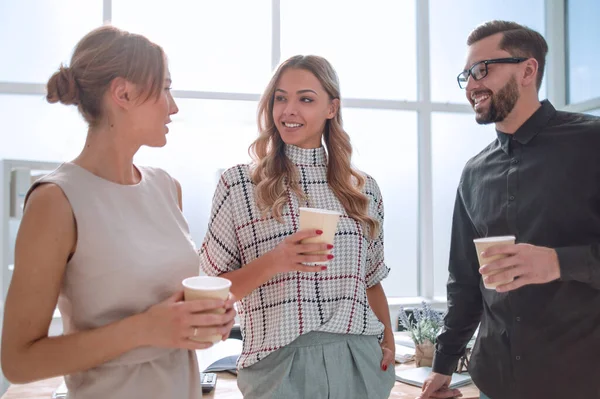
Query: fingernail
point(384, 367)
point(329, 246)
point(319, 231)
point(323, 267)
point(329, 256)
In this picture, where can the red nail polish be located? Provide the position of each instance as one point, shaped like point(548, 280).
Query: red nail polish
point(329, 246)
point(323, 267)
point(384, 367)
point(319, 231)
point(329, 256)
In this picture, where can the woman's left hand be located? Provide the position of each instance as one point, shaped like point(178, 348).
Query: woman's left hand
point(388, 348)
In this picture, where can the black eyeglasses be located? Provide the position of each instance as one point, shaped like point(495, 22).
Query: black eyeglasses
point(479, 70)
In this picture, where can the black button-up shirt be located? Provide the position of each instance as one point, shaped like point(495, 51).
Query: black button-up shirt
point(542, 185)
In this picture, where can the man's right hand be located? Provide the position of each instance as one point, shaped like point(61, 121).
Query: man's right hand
point(436, 386)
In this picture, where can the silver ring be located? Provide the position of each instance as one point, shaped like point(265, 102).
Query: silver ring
point(195, 332)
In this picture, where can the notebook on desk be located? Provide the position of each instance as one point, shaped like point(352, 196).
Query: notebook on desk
point(227, 363)
point(404, 354)
point(417, 376)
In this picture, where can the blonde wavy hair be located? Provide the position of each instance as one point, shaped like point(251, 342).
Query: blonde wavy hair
point(273, 172)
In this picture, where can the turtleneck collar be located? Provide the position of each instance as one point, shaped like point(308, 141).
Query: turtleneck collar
point(304, 156)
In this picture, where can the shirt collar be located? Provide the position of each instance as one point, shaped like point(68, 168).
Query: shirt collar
point(306, 156)
point(530, 128)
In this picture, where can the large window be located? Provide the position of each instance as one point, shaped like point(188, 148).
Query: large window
point(221, 56)
point(455, 139)
point(37, 35)
point(32, 129)
point(369, 69)
point(391, 136)
point(218, 46)
point(204, 138)
point(450, 25)
point(583, 50)
point(372, 48)
point(397, 61)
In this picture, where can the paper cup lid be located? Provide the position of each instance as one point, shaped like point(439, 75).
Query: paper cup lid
point(206, 283)
point(318, 210)
point(495, 239)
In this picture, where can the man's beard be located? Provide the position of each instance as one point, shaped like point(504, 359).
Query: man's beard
point(501, 104)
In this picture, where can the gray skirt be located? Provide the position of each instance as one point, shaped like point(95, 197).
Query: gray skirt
point(320, 365)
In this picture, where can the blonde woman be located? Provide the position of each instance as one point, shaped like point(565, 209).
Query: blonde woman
point(309, 331)
point(106, 239)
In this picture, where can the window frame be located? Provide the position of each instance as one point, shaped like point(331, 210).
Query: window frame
point(555, 22)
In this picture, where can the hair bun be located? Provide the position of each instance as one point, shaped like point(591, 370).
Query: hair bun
point(63, 87)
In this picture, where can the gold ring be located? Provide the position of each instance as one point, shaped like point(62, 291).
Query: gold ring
point(195, 332)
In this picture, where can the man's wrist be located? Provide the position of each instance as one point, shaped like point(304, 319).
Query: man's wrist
point(444, 364)
point(556, 274)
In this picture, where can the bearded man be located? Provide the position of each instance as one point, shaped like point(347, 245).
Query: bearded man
point(539, 334)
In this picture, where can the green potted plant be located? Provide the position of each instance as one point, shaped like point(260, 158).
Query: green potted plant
point(423, 325)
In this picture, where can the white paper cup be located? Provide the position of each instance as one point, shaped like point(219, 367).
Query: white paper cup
point(319, 219)
point(206, 287)
point(481, 244)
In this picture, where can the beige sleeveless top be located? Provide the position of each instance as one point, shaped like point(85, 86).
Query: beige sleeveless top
point(133, 250)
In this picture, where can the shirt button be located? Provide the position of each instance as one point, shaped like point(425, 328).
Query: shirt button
point(514, 161)
point(518, 357)
point(511, 198)
point(518, 318)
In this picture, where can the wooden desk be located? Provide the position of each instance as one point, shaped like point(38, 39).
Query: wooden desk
point(226, 383)
point(226, 389)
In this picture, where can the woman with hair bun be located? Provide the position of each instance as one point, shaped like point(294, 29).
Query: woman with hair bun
point(107, 241)
point(309, 331)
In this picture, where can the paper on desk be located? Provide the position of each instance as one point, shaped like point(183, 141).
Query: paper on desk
point(403, 338)
point(404, 354)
